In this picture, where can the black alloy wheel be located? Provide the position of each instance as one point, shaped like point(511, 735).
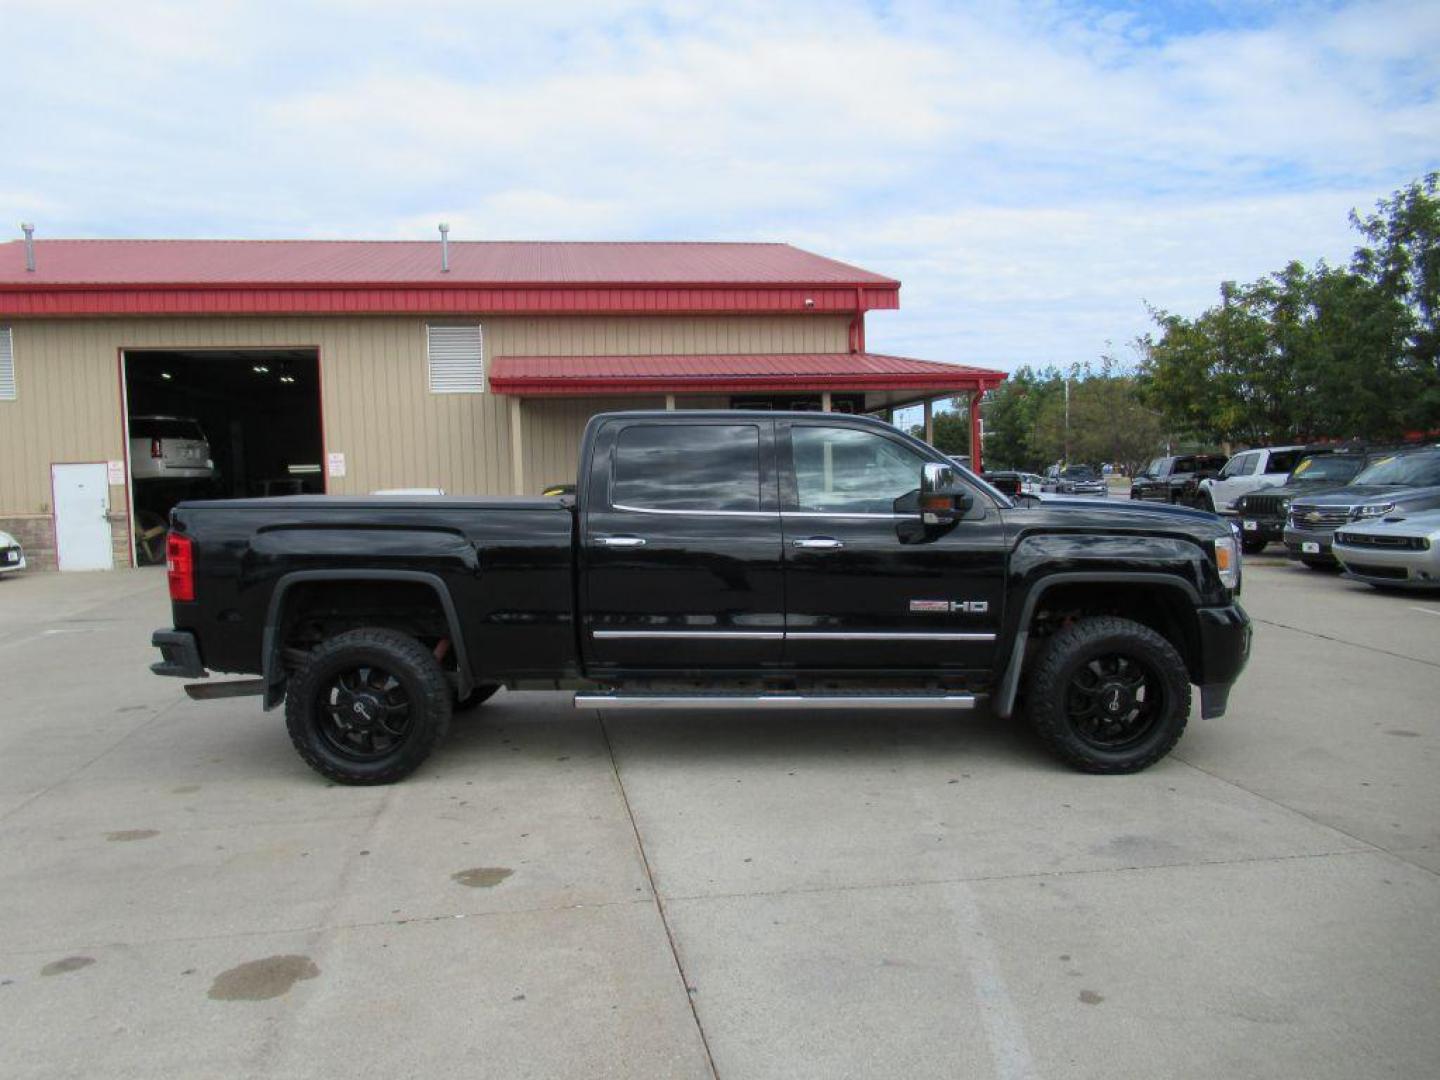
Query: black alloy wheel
point(1108, 695)
point(1113, 701)
point(365, 713)
point(368, 706)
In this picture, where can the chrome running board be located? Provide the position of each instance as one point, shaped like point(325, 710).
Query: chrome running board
point(775, 701)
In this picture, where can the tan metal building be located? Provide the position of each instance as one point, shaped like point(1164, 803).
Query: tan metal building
point(356, 367)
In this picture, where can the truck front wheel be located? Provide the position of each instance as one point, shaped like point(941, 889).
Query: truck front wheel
point(368, 707)
point(1109, 695)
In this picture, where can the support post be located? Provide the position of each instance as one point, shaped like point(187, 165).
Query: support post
point(825, 401)
point(930, 421)
point(517, 448)
point(975, 437)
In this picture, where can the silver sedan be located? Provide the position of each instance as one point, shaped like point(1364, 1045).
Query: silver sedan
point(1402, 550)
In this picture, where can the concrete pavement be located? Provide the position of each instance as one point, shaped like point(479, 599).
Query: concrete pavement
point(697, 894)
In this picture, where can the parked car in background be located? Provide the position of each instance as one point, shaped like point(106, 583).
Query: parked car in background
point(1005, 481)
point(1262, 513)
point(1081, 480)
point(12, 555)
point(169, 448)
point(1247, 471)
point(1399, 551)
point(1407, 481)
point(1175, 479)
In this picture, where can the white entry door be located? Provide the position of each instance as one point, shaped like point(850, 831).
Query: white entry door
point(82, 527)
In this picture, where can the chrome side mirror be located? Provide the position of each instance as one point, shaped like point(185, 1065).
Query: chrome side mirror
point(942, 497)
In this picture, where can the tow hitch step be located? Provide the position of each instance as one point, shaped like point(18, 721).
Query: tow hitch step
point(200, 691)
point(775, 701)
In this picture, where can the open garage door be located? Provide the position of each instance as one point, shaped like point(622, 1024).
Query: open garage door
point(218, 424)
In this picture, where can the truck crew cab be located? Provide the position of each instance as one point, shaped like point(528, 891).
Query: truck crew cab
point(731, 560)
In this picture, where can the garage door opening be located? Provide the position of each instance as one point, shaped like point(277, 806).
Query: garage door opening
point(218, 424)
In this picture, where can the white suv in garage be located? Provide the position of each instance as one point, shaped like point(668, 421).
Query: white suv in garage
point(1247, 471)
point(169, 448)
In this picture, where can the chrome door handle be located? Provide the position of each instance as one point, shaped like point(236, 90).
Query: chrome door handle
point(818, 543)
point(620, 541)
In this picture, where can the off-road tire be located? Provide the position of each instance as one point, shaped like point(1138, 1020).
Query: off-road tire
point(1252, 547)
point(418, 673)
point(478, 696)
point(1048, 689)
point(1321, 565)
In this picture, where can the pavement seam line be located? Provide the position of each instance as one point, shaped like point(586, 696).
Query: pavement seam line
point(912, 883)
point(1345, 641)
point(1369, 845)
point(659, 900)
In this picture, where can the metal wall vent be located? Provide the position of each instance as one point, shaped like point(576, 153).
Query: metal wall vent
point(7, 364)
point(457, 359)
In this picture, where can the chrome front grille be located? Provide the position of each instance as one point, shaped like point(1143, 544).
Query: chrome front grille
point(1319, 517)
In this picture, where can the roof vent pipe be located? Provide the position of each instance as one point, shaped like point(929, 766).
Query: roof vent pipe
point(444, 247)
point(29, 231)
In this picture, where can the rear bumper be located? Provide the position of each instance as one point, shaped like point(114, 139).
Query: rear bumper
point(1224, 651)
point(179, 655)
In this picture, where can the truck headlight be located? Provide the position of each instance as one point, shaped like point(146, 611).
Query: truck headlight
point(1227, 561)
point(1374, 510)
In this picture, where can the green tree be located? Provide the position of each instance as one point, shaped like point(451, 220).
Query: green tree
point(952, 430)
point(1307, 352)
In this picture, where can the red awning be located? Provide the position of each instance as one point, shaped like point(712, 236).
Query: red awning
point(572, 376)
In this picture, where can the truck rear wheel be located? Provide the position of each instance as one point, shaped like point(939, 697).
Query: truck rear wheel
point(368, 707)
point(1109, 695)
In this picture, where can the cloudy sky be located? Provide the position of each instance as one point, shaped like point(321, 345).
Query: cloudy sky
point(1033, 173)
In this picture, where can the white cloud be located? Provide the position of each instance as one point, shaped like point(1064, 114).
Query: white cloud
point(1031, 172)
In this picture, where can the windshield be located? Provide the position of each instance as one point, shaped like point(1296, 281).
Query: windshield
point(1078, 472)
point(1408, 470)
point(1335, 467)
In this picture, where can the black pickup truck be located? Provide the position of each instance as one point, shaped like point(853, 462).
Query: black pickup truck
point(728, 560)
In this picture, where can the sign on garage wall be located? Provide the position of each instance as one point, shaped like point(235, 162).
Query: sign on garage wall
point(336, 463)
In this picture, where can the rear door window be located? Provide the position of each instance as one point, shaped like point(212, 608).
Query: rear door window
point(713, 467)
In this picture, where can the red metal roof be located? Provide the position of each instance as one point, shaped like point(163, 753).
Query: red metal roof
point(271, 263)
point(531, 376)
point(77, 278)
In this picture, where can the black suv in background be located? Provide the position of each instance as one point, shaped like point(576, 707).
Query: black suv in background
point(1176, 479)
point(1404, 481)
point(1262, 513)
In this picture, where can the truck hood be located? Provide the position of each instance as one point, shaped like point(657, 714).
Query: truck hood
point(1140, 515)
point(1351, 494)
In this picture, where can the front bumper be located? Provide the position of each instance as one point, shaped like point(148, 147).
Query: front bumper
point(1225, 637)
point(1261, 528)
point(1297, 539)
point(1382, 566)
point(179, 655)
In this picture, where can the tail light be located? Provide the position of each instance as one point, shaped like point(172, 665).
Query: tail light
point(155, 450)
point(180, 566)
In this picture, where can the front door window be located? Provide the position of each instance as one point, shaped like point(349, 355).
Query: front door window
point(849, 471)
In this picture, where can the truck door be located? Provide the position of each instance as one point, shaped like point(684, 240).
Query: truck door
point(865, 588)
point(680, 546)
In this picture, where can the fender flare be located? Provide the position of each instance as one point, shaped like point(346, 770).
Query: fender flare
point(273, 673)
point(1009, 686)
